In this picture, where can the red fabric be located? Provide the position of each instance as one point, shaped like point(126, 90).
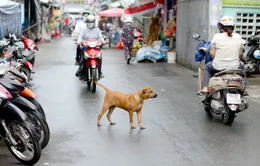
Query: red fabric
point(114, 12)
point(159, 1)
point(139, 8)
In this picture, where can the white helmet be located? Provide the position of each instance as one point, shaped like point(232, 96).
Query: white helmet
point(91, 21)
point(129, 19)
point(4, 67)
point(227, 21)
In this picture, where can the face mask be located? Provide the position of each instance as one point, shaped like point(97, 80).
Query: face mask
point(84, 18)
point(91, 25)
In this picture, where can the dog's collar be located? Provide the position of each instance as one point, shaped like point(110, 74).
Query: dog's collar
point(140, 97)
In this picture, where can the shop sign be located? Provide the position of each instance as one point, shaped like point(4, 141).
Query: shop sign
point(241, 3)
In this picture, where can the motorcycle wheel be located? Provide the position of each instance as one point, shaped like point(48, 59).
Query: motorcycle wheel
point(228, 117)
point(89, 84)
point(19, 131)
point(38, 105)
point(93, 85)
point(207, 109)
point(27, 72)
point(41, 128)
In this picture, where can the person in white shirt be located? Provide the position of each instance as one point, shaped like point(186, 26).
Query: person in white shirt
point(80, 26)
point(226, 51)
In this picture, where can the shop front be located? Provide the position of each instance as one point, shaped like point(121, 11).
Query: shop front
point(246, 13)
point(157, 19)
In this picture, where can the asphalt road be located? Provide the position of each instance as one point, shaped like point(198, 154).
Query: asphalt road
point(177, 133)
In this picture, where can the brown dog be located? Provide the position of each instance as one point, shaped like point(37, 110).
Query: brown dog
point(129, 102)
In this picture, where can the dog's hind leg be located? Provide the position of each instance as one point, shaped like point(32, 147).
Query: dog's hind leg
point(104, 110)
point(111, 109)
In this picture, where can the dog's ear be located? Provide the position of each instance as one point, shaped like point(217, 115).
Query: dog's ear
point(144, 91)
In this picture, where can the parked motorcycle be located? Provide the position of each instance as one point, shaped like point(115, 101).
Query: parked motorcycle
point(18, 135)
point(28, 51)
point(15, 60)
point(33, 116)
point(90, 72)
point(225, 97)
point(139, 37)
point(252, 61)
point(19, 87)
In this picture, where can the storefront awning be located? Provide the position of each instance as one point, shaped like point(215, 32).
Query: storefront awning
point(114, 12)
point(142, 9)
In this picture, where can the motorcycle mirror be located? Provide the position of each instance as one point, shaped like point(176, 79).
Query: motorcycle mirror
point(196, 36)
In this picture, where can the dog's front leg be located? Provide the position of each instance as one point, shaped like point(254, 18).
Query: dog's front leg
point(131, 120)
point(139, 117)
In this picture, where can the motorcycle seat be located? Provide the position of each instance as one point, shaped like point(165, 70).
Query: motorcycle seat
point(10, 84)
point(236, 71)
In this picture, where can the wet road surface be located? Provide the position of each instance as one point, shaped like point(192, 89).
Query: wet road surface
point(177, 133)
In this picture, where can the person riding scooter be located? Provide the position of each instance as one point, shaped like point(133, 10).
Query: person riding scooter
point(80, 26)
point(226, 51)
point(90, 32)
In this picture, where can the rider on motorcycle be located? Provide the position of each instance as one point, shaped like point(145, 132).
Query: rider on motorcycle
point(80, 26)
point(90, 32)
point(226, 51)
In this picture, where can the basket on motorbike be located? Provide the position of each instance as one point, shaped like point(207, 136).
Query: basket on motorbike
point(227, 79)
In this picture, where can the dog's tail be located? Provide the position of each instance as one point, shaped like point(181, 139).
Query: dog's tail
point(106, 89)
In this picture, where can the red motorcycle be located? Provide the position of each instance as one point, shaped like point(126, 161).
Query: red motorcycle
point(29, 49)
point(138, 36)
point(22, 58)
point(91, 63)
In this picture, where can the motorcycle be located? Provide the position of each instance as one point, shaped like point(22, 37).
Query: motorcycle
point(252, 61)
point(15, 60)
point(90, 72)
point(22, 90)
point(12, 88)
point(139, 37)
point(28, 51)
point(18, 135)
point(225, 97)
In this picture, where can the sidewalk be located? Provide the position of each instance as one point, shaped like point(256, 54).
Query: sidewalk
point(254, 80)
point(254, 87)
